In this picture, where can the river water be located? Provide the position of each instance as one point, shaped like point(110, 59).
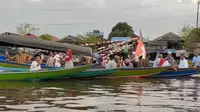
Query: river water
point(102, 95)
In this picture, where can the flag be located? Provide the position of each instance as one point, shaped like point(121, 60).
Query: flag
point(140, 50)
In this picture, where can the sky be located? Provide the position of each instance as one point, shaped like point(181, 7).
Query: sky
point(71, 17)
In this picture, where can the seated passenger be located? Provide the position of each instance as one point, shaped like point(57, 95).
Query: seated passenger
point(196, 60)
point(35, 66)
point(127, 64)
point(183, 62)
point(162, 61)
point(166, 64)
point(111, 63)
point(21, 57)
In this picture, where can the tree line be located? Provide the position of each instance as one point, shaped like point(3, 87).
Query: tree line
point(121, 29)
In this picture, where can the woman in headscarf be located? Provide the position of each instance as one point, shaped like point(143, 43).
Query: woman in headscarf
point(68, 59)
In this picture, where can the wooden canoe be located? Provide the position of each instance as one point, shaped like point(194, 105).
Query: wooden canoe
point(84, 74)
point(41, 75)
point(9, 64)
point(135, 72)
point(93, 73)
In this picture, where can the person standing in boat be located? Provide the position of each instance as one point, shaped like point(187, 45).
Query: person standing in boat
point(111, 63)
point(35, 65)
point(170, 59)
point(183, 62)
point(196, 60)
point(21, 57)
point(51, 60)
point(69, 59)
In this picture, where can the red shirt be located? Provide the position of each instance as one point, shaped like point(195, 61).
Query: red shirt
point(162, 60)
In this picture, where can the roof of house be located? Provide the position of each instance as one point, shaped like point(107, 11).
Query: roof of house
point(55, 38)
point(9, 33)
point(68, 38)
point(168, 37)
point(30, 36)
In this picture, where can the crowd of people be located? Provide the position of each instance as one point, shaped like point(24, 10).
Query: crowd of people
point(54, 59)
point(183, 63)
point(132, 62)
point(113, 61)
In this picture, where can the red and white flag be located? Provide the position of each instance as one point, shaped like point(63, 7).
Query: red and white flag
point(140, 50)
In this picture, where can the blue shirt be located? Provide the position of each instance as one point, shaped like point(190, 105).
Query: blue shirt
point(195, 60)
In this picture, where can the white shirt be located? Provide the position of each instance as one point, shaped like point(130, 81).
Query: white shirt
point(34, 66)
point(156, 62)
point(111, 65)
point(57, 58)
point(183, 64)
point(166, 64)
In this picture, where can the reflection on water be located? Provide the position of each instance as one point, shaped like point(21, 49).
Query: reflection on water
point(105, 95)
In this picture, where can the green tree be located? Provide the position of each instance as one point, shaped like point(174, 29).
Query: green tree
point(25, 28)
point(121, 29)
point(46, 37)
point(88, 38)
point(191, 36)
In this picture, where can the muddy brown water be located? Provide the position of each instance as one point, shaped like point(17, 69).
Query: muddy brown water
point(102, 95)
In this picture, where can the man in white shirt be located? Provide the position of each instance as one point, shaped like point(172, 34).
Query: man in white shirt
point(111, 63)
point(183, 62)
point(35, 65)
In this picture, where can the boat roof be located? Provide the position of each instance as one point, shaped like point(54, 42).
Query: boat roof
point(20, 41)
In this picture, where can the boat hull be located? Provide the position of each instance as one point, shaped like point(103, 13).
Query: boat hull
point(175, 73)
point(93, 73)
point(135, 72)
point(9, 64)
point(41, 75)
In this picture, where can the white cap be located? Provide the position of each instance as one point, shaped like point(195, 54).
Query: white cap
point(169, 52)
point(21, 49)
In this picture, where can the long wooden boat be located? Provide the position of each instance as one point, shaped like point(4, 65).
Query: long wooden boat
point(41, 75)
point(9, 64)
point(84, 74)
point(175, 73)
point(93, 73)
point(135, 72)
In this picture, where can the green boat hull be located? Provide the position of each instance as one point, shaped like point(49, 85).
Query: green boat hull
point(41, 75)
point(93, 73)
point(137, 73)
point(9, 65)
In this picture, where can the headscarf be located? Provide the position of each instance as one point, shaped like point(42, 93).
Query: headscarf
point(69, 55)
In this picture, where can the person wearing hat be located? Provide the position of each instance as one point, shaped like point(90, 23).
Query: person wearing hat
point(183, 62)
point(21, 57)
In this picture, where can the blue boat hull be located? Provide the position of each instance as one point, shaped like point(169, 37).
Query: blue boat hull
point(173, 73)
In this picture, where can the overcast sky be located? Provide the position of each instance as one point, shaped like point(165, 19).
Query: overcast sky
point(70, 17)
